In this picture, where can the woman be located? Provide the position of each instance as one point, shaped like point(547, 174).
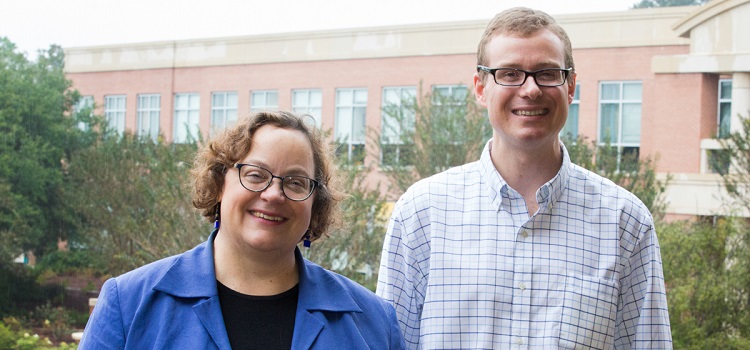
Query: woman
point(267, 185)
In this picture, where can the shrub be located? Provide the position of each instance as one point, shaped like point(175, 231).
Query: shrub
point(7, 337)
point(73, 261)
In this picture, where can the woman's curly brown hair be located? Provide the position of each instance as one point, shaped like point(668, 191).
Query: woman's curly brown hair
point(218, 155)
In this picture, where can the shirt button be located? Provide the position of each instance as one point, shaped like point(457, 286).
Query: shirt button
point(524, 234)
point(522, 286)
point(519, 341)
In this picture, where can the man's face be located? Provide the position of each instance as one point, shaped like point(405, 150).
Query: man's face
point(527, 116)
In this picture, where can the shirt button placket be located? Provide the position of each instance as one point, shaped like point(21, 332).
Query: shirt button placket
point(522, 299)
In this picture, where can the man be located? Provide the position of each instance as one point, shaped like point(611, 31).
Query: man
point(523, 249)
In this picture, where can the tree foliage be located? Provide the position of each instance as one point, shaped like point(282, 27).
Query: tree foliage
point(736, 156)
point(667, 3)
point(707, 275)
point(637, 175)
point(435, 132)
point(353, 249)
point(436, 138)
point(132, 199)
point(37, 135)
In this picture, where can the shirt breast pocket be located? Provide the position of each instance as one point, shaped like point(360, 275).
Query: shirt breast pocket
point(588, 314)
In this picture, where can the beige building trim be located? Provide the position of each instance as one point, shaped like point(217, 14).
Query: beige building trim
point(644, 27)
point(709, 12)
point(718, 40)
point(698, 194)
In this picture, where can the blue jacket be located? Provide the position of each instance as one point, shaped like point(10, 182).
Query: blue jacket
point(173, 304)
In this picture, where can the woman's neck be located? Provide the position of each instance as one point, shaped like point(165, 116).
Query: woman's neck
point(253, 272)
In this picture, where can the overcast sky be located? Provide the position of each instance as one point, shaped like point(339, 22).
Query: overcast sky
point(36, 24)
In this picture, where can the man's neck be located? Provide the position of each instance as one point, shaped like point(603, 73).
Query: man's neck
point(526, 170)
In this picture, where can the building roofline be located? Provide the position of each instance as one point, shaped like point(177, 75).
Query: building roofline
point(703, 13)
point(630, 28)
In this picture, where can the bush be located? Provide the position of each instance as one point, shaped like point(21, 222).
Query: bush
point(706, 274)
point(13, 336)
point(7, 337)
point(20, 292)
point(73, 261)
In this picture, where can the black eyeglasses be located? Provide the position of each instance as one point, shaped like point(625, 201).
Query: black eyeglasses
point(257, 179)
point(517, 77)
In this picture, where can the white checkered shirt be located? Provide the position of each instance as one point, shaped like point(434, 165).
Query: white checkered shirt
point(467, 268)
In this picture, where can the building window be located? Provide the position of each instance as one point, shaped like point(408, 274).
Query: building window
point(149, 107)
point(620, 121)
point(264, 101)
point(397, 123)
point(570, 130)
point(84, 105)
point(725, 109)
point(351, 105)
point(310, 102)
point(223, 110)
point(448, 115)
point(451, 97)
point(186, 117)
point(114, 113)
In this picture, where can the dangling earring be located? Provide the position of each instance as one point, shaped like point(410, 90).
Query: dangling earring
point(216, 216)
point(307, 242)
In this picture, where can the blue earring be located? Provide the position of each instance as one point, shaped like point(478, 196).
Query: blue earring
point(216, 216)
point(307, 242)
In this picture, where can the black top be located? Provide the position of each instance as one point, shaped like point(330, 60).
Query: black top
point(259, 322)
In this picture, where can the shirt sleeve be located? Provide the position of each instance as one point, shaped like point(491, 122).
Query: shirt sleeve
point(400, 280)
point(104, 329)
point(642, 317)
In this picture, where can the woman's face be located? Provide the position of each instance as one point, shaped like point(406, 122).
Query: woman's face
point(268, 221)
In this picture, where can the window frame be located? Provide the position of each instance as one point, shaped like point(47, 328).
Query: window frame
point(192, 113)
point(314, 109)
point(724, 132)
point(394, 143)
point(623, 148)
point(227, 111)
point(354, 144)
point(265, 106)
point(572, 124)
point(152, 113)
point(115, 115)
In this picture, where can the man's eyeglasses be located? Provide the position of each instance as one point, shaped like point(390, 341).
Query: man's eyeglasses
point(257, 179)
point(517, 77)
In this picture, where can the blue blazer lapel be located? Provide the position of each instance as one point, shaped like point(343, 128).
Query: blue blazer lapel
point(319, 293)
point(307, 327)
point(209, 312)
point(193, 276)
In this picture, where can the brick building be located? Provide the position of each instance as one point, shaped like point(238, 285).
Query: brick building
point(662, 81)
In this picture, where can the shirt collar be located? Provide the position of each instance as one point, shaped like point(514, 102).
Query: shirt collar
point(497, 187)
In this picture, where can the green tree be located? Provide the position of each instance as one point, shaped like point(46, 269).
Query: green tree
point(667, 3)
point(736, 159)
point(432, 132)
point(37, 135)
point(437, 132)
point(707, 275)
point(133, 202)
point(353, 249)
point(637, 175)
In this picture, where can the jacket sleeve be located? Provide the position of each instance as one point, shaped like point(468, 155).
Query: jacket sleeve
point(105, 329)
